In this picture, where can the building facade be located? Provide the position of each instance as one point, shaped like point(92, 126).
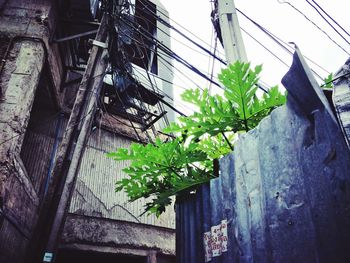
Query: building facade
point(44, 50)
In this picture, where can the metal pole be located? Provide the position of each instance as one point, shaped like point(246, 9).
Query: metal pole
point(231, 32)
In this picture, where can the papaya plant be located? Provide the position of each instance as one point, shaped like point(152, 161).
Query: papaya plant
point(175, 167)
point(328, 82)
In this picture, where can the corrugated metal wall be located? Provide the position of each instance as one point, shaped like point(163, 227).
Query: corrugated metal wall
point(95, 195)
point(284, 193)
point(284, 200)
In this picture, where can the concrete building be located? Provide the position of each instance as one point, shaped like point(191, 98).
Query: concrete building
point(44, 56)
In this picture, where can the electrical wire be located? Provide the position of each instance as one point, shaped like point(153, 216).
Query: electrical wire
point(147, 56)
point(162, 93)
point(153, 85)
point(173, 55)
point(288, 48)
point(266, 48)
point(165, 80)
point(272, 36)
point(164, 60)
point(174, 38)
point(329, 16)
point(112, 46)
point(144, 55)
point(207, 78)
point(326, 20)
point(127, 114)
point(159, 90)
point(189, 77)
point(161, 20)
point(213, 83)
point(179, 25)
point(315, 25)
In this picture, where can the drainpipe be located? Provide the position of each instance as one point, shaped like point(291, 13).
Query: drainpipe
point(53, 152)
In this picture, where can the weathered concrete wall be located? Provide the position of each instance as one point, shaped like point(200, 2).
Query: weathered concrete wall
point(102, 220)
point(118, 237)
point(95, 195)
point(20, 79)
point(34, 19)
point(25, 28)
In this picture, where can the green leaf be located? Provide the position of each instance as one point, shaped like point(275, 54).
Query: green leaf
point(328, 82)
point(160, 170)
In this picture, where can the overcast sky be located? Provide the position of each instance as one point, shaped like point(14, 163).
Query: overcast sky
point(280, 19)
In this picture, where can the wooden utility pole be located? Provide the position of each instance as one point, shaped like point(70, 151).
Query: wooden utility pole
point(75, 137)
point(231, 32)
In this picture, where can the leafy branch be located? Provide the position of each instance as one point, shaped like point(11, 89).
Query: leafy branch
point(160, 170)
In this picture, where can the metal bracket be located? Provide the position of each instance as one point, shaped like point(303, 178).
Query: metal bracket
point(98, 43)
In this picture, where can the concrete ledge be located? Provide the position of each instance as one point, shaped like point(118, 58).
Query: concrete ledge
point(102, 235)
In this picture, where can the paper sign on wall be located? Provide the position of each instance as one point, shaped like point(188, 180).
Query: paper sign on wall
point(215, 241)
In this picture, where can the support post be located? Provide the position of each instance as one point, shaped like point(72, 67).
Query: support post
point(231, 32)
point(74, 139)
point(152, 257)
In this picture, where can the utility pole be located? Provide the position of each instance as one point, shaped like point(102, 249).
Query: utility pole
point(231, 32)
point(75, 137)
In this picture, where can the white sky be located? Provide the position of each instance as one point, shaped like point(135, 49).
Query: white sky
point(279, 19)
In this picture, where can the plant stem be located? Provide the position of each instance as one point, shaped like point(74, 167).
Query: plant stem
point(227, 140)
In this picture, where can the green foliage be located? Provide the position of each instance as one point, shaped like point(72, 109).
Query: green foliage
point(328, 82)
point(163, 169)
point(241, 88)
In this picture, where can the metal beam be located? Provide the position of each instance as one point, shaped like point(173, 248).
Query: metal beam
point(153, 121)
